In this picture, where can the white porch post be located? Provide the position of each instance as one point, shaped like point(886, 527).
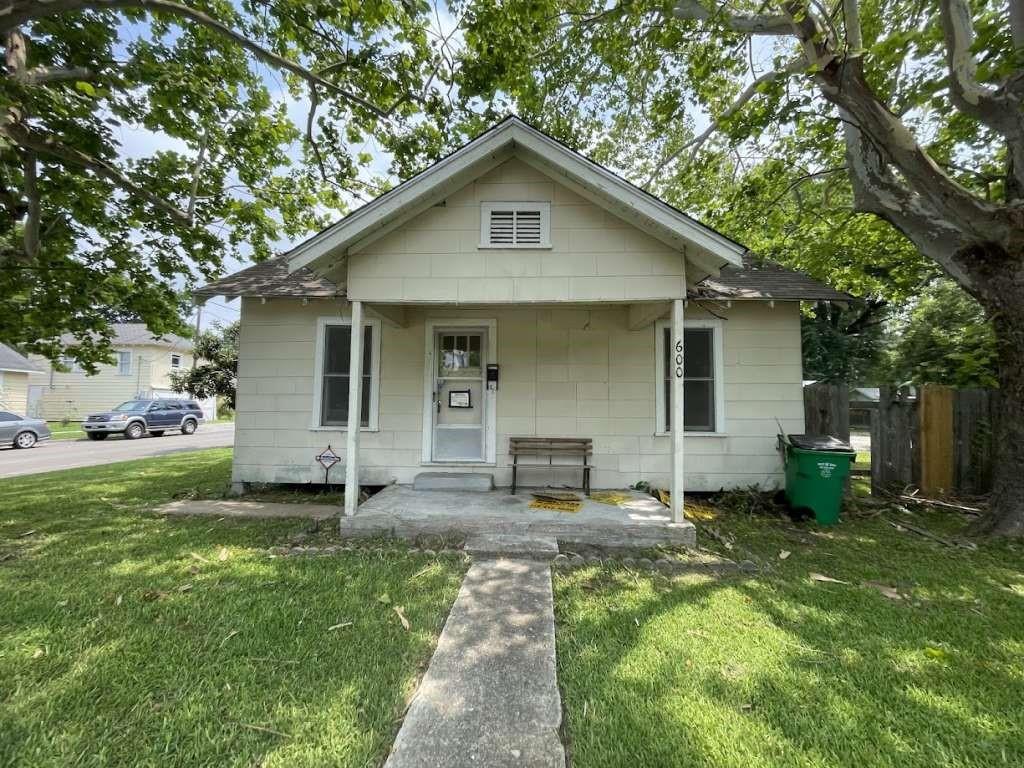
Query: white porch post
point(676, 372)
point(355, 399)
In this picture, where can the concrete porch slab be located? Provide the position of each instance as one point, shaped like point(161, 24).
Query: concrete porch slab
point(402, 512)
point(512, 545)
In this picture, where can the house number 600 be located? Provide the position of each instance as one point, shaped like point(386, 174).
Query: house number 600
point(679, 359)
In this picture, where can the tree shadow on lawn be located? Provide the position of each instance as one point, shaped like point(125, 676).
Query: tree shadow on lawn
point(131, 639)
point(782, 671)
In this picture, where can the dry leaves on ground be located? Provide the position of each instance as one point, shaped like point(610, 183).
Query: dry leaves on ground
point(400, 610)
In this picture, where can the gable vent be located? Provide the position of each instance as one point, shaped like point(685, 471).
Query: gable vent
point(515, 225)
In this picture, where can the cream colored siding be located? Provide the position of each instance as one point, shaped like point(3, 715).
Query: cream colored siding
point(575, 371)
point(73, 395)
point(14, 392)
point(436, 257)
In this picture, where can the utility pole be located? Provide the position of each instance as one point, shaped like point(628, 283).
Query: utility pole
point(195, 339)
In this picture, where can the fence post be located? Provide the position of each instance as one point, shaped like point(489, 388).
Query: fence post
point(827, 410)
point(936, 419)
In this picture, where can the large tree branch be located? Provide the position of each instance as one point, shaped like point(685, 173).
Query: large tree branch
point(47, 145)
point(792, 68)
point(998, 108)
point(31, 233)
point(745, 24)
point(876, 190)
point(17, 12)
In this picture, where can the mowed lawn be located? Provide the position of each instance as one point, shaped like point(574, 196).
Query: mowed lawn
point(784, 670)
point(128, 639)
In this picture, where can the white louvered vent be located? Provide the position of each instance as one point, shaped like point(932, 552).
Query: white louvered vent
point(515, 225)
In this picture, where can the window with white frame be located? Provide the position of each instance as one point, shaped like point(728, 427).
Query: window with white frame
point(124, 363)
point(334, 360)
point(703, 384)
point(175, 361)
point(515, 225)
point(71, 364)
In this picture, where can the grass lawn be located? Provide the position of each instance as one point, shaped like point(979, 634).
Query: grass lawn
point(787, 671)
point(71, 431)
point(127, 639)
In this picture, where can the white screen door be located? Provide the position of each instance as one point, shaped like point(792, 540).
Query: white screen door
point(459, 403)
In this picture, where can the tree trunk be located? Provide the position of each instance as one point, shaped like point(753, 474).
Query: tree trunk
point(1004, 301)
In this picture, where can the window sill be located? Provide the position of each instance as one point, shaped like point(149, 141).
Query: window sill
point(694, 434)
point(460, 464)
point(527, 247)
point(342, 430)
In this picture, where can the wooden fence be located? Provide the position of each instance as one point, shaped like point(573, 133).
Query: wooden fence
point(939, 441)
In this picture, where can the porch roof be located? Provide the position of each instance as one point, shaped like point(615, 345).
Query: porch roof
point(756, 279)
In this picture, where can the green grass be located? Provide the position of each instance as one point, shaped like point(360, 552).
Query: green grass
point(785, 671)
point(70, 431)
point(130, 639)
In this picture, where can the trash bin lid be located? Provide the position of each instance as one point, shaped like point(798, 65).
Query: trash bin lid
point(819, 443)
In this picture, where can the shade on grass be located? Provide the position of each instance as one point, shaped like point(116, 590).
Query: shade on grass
point(127, 639)
point(786, 671)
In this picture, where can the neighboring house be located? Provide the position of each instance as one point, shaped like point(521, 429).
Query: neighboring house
point(516, 288)
point(142, 369)
point(15, 369)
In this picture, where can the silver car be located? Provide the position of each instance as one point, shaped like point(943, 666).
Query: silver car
point(20, 431)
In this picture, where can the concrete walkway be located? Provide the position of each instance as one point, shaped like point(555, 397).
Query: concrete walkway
point(490, 696)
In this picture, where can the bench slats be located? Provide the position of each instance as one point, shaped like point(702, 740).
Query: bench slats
point(581, 447)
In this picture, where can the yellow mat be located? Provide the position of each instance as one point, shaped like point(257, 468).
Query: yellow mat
point(611, 497)
point(556, 506)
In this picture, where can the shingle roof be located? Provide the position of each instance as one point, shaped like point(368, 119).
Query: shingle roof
point(137, 334)
point(763, 279)
point(757, 279)
point(12, 360)
point(270, 279)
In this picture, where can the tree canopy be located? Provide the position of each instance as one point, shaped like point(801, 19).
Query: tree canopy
point(143, 143)
point(216, 369)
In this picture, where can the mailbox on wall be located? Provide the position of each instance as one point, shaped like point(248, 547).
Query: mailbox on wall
point(492, 377)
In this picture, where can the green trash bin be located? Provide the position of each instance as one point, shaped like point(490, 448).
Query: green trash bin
point(816, 471)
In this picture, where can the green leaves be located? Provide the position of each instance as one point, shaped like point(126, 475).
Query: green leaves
point(187, 115)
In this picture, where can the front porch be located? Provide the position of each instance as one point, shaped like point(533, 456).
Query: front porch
point(398, 510)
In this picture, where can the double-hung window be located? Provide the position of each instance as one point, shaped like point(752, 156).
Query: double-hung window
point(703, 386)
point(334, 364)
point(124, 363)
point(175, 362)
point(515, 225)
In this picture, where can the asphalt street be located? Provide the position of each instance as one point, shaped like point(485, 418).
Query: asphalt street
point(70, 454)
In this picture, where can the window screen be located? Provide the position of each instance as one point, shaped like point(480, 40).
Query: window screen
point(698, 379)
point(124, 363)
point(337, 358)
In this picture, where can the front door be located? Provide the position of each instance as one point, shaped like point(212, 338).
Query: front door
point(459, 402)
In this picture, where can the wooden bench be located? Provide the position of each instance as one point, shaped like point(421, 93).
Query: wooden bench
point(551, 447)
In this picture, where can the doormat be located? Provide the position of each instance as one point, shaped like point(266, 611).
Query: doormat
point(556, 506)
point(555, 496)
point(615, 498)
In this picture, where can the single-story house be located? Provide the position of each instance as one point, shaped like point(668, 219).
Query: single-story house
point(143, 368)
point(15, 369)
point(515, 288)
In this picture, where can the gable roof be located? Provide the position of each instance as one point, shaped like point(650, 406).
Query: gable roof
point(755, 279)
point(513, 137)
point(13, 361)
point(138, 335)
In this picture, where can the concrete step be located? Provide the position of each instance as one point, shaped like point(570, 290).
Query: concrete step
point(512, 545)
point(453, 481)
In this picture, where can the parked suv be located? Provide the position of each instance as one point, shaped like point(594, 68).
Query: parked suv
point(137, 417)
